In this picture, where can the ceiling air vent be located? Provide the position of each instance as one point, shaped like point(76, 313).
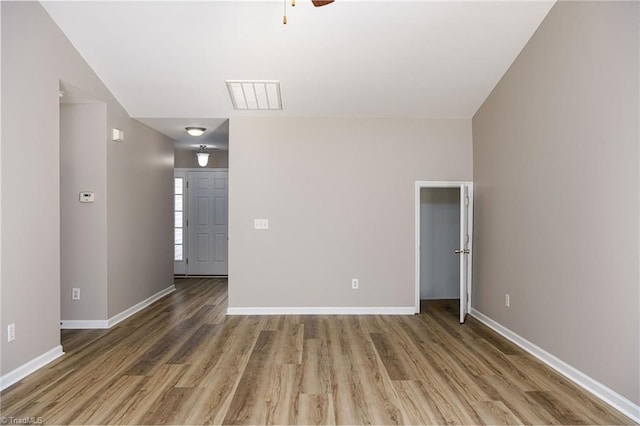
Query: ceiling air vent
point(255, 94)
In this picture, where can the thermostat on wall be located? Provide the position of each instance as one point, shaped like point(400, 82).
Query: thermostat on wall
point(87, 197)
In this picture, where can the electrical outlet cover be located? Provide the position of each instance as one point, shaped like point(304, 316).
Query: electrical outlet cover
point(11, 332)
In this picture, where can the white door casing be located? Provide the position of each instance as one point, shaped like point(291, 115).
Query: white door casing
point(466, 240)
point(464, 251)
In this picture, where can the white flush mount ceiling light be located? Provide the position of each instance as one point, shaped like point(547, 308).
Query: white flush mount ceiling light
point(255, 94)
point(203, 156)
point(195, 131)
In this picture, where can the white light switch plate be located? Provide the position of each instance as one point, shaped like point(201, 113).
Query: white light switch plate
point(261, 224)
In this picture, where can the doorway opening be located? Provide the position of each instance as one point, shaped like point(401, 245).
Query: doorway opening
point(201, 222)
point(443, 243)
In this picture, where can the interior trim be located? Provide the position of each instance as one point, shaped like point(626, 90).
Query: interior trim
point(24, 370)
point(312, 310)
point(90, 324)
point(591, 385)
point(140, 306)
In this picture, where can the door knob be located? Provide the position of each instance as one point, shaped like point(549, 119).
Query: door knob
point(462, 251)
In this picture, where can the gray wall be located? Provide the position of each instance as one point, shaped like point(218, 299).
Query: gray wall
point(187, 159)
point(140, 216)
point(83, 231)
point(556, 188)
point(439, 237)
point(339, 195)
point(35, 57)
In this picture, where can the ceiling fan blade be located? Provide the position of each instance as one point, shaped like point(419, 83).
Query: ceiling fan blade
point(318, 3)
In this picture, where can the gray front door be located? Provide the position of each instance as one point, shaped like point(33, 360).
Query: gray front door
point(207, 224)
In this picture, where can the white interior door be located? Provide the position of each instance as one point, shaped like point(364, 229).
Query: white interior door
point(464, 251)
point(465, 244)
point(207, 224)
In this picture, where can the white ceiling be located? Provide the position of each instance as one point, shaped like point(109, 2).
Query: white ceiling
point(216, 136)
point(170, 59)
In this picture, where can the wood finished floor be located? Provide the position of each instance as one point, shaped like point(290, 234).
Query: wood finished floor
point(182, 361)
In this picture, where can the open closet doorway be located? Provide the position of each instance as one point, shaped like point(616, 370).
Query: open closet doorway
point(444, 218)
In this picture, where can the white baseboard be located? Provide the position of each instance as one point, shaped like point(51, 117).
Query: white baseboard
point(39, 362)
point(28, 368)
point(82, 324)
point(606, 394)
point(392, 310)
point(140, 306)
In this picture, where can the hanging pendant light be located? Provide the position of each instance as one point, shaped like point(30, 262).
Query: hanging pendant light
point(284, 18)
point(203, 156)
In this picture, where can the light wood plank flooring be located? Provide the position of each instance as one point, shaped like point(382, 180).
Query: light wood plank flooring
point(182, 361)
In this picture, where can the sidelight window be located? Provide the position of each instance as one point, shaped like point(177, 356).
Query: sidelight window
point(178, 211)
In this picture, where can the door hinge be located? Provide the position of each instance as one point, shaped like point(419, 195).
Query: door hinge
point(187, 222)
point(187, 260)
point(467, 238)
point(187, 184)
point(466, 201)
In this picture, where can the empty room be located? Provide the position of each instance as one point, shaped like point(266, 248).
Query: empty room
point(320, 212)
